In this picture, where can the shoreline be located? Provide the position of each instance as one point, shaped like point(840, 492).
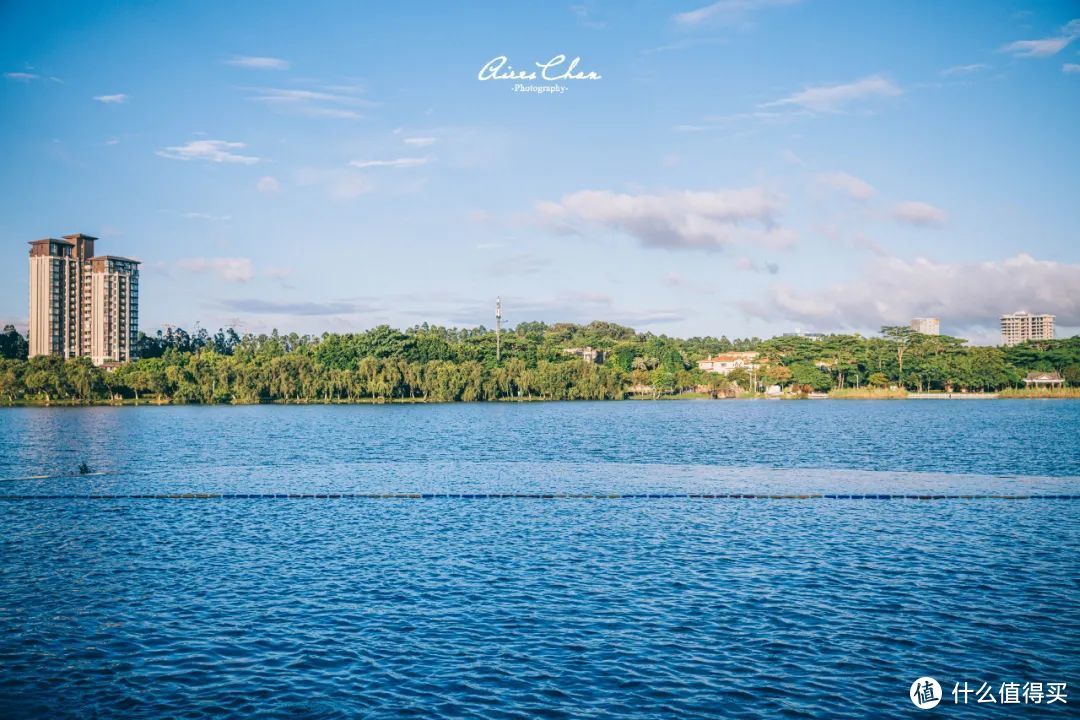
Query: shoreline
point(846, 395)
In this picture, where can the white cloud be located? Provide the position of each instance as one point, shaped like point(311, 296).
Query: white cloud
point(892, 291)
point(24, 77)
point(1037, 48)
point(964, 69)
point(268, 184)
point(1070, 68)
point(676, 220)
point(918, 213)
point(833, 98)
point(259, 63)
point(112, 141)
point(856, 188)
point(406, 162)
point(330, 101)
point(419, 141)
point(217, 151)
point(117, 99)
point(228, 269)
point(727, 11)
point(1045, 47)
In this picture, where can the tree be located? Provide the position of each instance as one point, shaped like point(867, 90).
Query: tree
point(13, 346)
point(457, 364)
point(775, 374)
point(811, 375)
point(902, 338)
point(741, 377)
point(1071, 375)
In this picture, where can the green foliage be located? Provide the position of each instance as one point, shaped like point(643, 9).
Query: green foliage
point(431, 363)
point(806, 374)
point(13, 346)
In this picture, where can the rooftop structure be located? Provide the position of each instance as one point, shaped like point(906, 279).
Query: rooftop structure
point(1043, 379)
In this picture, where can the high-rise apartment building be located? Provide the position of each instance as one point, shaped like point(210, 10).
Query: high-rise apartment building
point(1020, 326)
point(926, 326)
point(81, 304)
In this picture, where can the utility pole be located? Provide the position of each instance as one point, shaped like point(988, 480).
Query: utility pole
point(498, 330)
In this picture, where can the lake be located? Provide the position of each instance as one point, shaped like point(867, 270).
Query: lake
point(499, 607)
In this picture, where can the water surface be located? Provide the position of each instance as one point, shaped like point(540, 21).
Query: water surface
point(524, 608)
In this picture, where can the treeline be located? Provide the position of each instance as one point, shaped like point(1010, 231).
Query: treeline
point(908, 360)
point(430, 363)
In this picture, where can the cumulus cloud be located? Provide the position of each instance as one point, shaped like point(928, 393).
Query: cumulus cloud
point(258, 63)
point(686, 220)
point(918, 213)
point(405, 162)
point(727, 11)
point(834, 98)
point(268, 184)
point(855, 188)
point(1045, 47)
point(1070, 68)
point(891, 291)
point(117, 99)
point(216, 151)
point(235, 269)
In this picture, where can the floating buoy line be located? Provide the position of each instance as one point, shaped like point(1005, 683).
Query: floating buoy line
point(522, 496)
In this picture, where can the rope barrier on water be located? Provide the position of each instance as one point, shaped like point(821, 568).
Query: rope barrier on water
point(522, 496)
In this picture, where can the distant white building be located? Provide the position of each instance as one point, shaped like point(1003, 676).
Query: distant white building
point(926, 325)
point(1019, 327)
point(801, 334)
point(724, 363)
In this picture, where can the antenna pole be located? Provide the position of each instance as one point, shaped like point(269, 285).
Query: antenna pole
point(498, 330)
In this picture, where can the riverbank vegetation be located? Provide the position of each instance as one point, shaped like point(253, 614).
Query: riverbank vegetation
point(535, 361)
point(1046, 393)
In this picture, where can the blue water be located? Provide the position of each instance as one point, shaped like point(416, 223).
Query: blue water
point(499, 608)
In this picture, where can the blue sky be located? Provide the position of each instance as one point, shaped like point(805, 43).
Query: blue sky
point(744, 167)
